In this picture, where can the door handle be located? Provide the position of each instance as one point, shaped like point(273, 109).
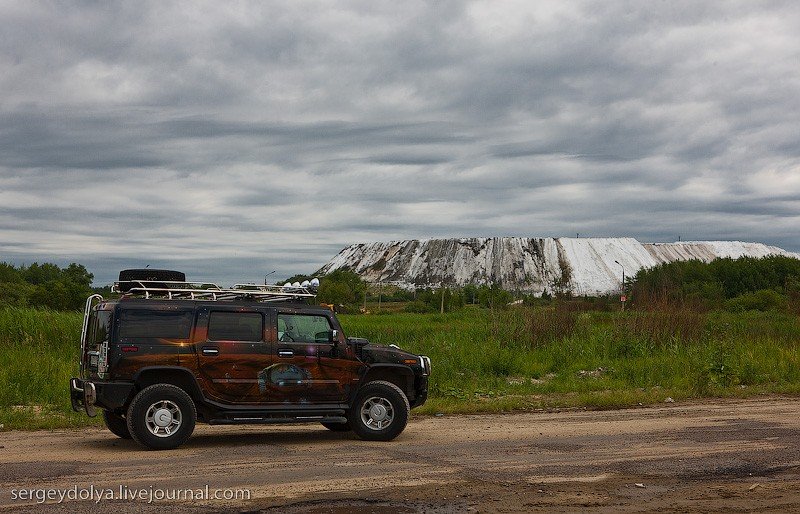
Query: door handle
point(210, 350)
point(286, 353)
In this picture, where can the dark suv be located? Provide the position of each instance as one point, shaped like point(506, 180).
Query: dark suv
point(169, 353)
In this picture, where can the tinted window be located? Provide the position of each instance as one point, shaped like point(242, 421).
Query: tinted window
point(235, 326)
point(158, 324)
point(303, 328)
point(100, 327)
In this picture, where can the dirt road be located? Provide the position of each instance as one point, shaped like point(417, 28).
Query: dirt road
point(707, 456)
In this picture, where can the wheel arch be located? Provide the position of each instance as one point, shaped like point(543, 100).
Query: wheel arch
point(397, 374)
point(174, 375)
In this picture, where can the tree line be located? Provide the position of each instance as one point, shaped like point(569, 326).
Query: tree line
point(747, 283)
point(44, 285)
point(743, 284)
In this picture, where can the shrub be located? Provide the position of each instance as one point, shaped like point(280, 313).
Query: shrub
point(660, 327)
point(534, 327)
point(418, 307)
point(762, 300)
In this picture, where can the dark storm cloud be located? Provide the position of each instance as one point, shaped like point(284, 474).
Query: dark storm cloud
point(230, 140)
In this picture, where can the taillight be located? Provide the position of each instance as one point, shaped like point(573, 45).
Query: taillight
point(102, 360)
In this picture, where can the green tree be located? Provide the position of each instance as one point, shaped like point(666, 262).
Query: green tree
point(494, 297)
point(432, 299)
point(39, 274)
point(341, 287)
point(8, 273)
point(470, 293)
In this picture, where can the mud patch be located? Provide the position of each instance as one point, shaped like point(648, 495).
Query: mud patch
point(555, 446)
point(18, 471)
point(734, 430)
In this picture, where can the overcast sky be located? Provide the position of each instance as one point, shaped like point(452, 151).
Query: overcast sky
point(230, 139)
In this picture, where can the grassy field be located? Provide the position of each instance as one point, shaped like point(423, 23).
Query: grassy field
point(546, 358)
point(483, 361)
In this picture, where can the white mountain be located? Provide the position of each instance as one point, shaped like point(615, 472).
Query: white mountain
point(586, 266)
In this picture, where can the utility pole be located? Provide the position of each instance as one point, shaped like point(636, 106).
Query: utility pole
point(623, 297)
point(380, 291)
point(441, 310)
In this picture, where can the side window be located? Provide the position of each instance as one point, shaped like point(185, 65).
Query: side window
point(235, 326)
point(99, 328)
point(303, 328)
point(154, 323)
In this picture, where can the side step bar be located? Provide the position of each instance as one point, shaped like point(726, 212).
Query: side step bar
point(274, 420)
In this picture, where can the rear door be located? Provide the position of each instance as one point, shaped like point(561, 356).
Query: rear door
point(232, 350)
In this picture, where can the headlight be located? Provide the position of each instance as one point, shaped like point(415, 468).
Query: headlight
point(425, 362)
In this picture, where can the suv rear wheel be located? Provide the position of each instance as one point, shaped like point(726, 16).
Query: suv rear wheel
point(116, 424)
point(380, 411)
point(161, 417)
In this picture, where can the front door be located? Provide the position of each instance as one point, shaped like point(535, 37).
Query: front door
point(309, 366)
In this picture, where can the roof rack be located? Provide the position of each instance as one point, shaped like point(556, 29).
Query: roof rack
point(166, 290)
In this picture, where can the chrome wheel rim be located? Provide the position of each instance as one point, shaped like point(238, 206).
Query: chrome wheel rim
point(163, 418)
point(377, 413)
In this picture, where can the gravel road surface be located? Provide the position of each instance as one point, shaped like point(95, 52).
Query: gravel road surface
point(708, 456)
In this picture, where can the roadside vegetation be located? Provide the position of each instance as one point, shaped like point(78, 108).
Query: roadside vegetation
point(691, 330)
point(38, 355)
point(548, 357)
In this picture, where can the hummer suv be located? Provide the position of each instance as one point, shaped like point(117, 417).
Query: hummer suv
point(169, 353)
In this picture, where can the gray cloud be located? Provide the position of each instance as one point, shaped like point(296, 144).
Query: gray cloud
point(230, 140)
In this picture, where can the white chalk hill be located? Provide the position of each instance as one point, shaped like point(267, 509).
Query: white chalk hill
point(585, 266)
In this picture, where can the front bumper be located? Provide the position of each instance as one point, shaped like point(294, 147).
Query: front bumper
point(421, 391)
point(89, 395)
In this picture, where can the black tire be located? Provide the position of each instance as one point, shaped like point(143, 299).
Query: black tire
point(161, 403)
point(390, 403)
point(128, 277)
point(116, 424)
point(336, 427)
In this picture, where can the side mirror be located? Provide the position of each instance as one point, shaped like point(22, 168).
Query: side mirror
point(329, 336)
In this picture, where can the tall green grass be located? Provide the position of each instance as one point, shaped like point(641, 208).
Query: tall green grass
point(482, 361)
point(553, 356)
point(38, 355)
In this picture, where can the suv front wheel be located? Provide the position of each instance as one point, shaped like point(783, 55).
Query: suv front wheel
point(380, 411)
point(161, 417)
